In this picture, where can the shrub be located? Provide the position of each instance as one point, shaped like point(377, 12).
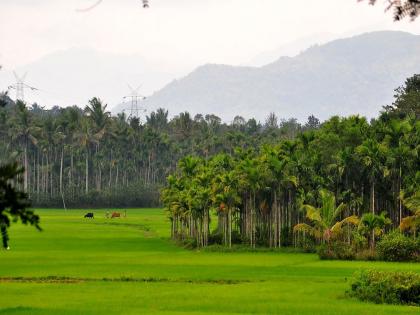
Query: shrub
point(336, 250)
point(215, 238)
point(189, 243)
point(397, 247)
point(386, 287)
point(366, 254)
point(360, 242)
point(307, 244)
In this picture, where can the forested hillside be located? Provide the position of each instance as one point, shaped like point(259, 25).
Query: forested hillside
point(86, 157)
point(342, 77)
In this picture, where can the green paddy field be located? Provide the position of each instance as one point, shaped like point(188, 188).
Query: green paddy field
point(129, 266)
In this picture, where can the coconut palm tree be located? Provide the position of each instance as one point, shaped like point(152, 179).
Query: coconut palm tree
point(325, 221)
point(85, 137)
point(24, 132)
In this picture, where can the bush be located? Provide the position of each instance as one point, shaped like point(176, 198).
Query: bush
point(397, 247)
point(189, 243)
point(387, 287)
point(336, 250)
point(366, 254)
point(215, 238)
point(307, 244)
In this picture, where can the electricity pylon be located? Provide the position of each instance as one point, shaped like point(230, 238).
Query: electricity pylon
point(20, 86)
point(135, 108)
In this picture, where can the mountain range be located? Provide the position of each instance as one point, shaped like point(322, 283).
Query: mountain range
point(355, 75)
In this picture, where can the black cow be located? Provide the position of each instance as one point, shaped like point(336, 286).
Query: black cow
point(89, 215)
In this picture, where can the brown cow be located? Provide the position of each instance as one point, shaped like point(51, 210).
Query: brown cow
point(115, 215)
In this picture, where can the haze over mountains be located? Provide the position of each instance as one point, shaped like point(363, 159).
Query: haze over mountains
point(346, 76)
point(74, 76)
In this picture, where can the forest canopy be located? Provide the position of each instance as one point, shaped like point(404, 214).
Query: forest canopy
point(329, 177)
point(89, 158)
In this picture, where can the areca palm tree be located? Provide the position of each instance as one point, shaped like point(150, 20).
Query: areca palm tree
point(249, 181)
point(372, 154)
point(372, 226)
point(226, 197)
point(399, 152)
point(276, 171)
point(325, 221)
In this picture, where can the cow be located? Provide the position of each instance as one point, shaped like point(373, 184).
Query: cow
point(115, 215)
point(89, 215)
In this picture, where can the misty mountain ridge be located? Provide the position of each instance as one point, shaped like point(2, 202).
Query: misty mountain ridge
point(355, 75)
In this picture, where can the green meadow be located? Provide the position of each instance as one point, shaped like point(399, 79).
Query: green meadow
point(129, 266)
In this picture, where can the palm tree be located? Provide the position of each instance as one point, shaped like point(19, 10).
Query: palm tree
point(226, 197)
point(24, 132)
point(372, 225)
point(372, 155)
point(84, 138)
point(325, 220)
point(412, 223)
point(250, 181)
point(399, 152)
point(100, 120)
point(96, 111)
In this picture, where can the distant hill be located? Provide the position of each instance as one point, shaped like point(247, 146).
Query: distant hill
point(75, 75)
point(290, 49)
point(345, 76)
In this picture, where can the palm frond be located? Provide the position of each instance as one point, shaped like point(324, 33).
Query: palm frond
point(312, 213)
point(303, 227)
point(352, 220)
point(339, 210)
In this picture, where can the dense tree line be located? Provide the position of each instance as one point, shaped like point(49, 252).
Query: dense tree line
point(77, 157)
point(13, 202)
point(347, 172)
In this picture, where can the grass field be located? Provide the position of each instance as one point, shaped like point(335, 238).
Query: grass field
point(129, 266)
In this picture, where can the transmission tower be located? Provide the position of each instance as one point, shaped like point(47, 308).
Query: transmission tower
point(20, 86)
point(135, 109)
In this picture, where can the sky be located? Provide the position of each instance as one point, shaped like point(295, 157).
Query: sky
point(185, 32)
point(178, 35)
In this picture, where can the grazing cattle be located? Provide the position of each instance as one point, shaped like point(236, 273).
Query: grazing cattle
point(89, 215)
point(115, 215)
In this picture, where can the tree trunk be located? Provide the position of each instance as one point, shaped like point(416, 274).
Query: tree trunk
point(25, 180)
point(87, 172)
point(399, 199)
point(230, 227)
point(61, 178)
point(373, 196)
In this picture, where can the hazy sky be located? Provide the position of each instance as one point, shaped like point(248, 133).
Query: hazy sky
point(183, 33)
